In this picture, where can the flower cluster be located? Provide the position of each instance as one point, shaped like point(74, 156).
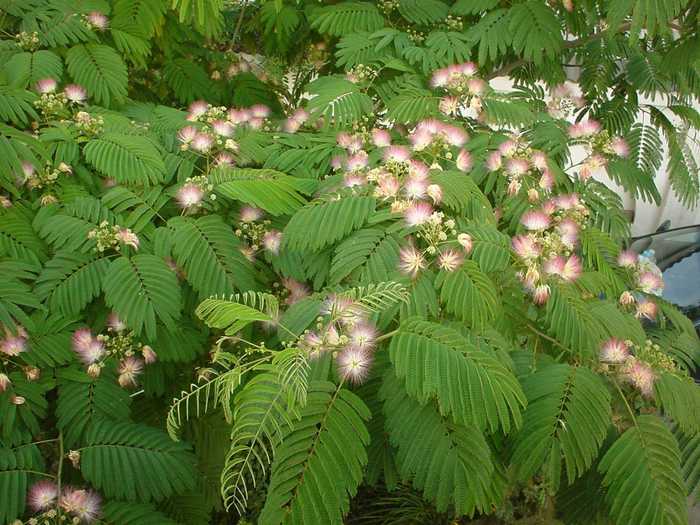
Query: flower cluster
point(648, 280)
point(343, 330)
point(546, 251)
point(564, 101)
point(635, 364)
point(192, 193)
point(295, 121)
point(117, 343)
point(213, 129)
point(255, 232)
point(44, 499)
point(96, 20)
point(14, 343)
point(51, 102)
point(87, 124)
point(112, 237)
point(29, 41)
point(361, 73)
point(465, 89)
point(525, 168)
point(600, 147)
point(43, 179)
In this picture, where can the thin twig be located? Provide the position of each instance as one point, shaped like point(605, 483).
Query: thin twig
point(239, 23)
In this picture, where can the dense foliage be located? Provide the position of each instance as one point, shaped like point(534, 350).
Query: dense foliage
point(299, 262)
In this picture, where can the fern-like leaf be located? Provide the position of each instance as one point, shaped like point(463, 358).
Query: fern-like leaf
point(113, 450)
point(321, 223)
point(469, 294)
point(232, 316)
point(567, 418)
point(141, 289)
point(643, 475)
point(450, 463)
point(471, 386)
point(100, 69)
point(129, 159)
point(319, 464)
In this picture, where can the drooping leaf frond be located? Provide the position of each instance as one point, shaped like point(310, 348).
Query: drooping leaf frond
point(325, 449)
point(567, 418)
point(643, 475)
point(478, 391)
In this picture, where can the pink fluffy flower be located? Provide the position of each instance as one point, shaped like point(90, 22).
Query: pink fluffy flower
point(291, 126)
point(494, 161)
point(149, 355)
point(476, 86)
point(415, 188)
point(411, 261)
point(129, 369)
point(539, 160)
point(387, 186)
point(646, 309)
point(626, 298)
point(627, 259)
point(75, 93)
point(526, 247)
point(547, 180)
point(238, 116)
point(650, 282)
point(517, 166)
point(224, 159)
point(440, 78)
point(129, 238)
point(455, 136)
point(434, 191)
point(568, 269)
point(98, 20)
point(202, 142)
point(187, 134)
point(189, 195)
point(13, 345)
point(467, 68)
point(297, 291)
point(354, 364)
point(89, 349)
point(641, 376)
point(114, 323)
point(418, 170)
point(508, 148)
point(5, 382)
point(614, 351)
point(420, 139)
point(222, 128)
point(535, 220)
point(397, 154)
point(358, 161)
point(381, 138)
point(620, 147)
point(46, 85)
point(466, 242)
point(450, 260)
point(464, 160)
point(197, 109)
point(567, 202)
point(540, 294)
point(42, 495)
point(250, 214)
point(363, 335)
point(353, 179)
point(449, 105)
point(568, 230)
point(260, 111)
point(272, 241)
point(85, 504)
point(418, 213)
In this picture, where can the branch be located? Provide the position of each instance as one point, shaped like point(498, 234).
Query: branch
point(503, 71)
